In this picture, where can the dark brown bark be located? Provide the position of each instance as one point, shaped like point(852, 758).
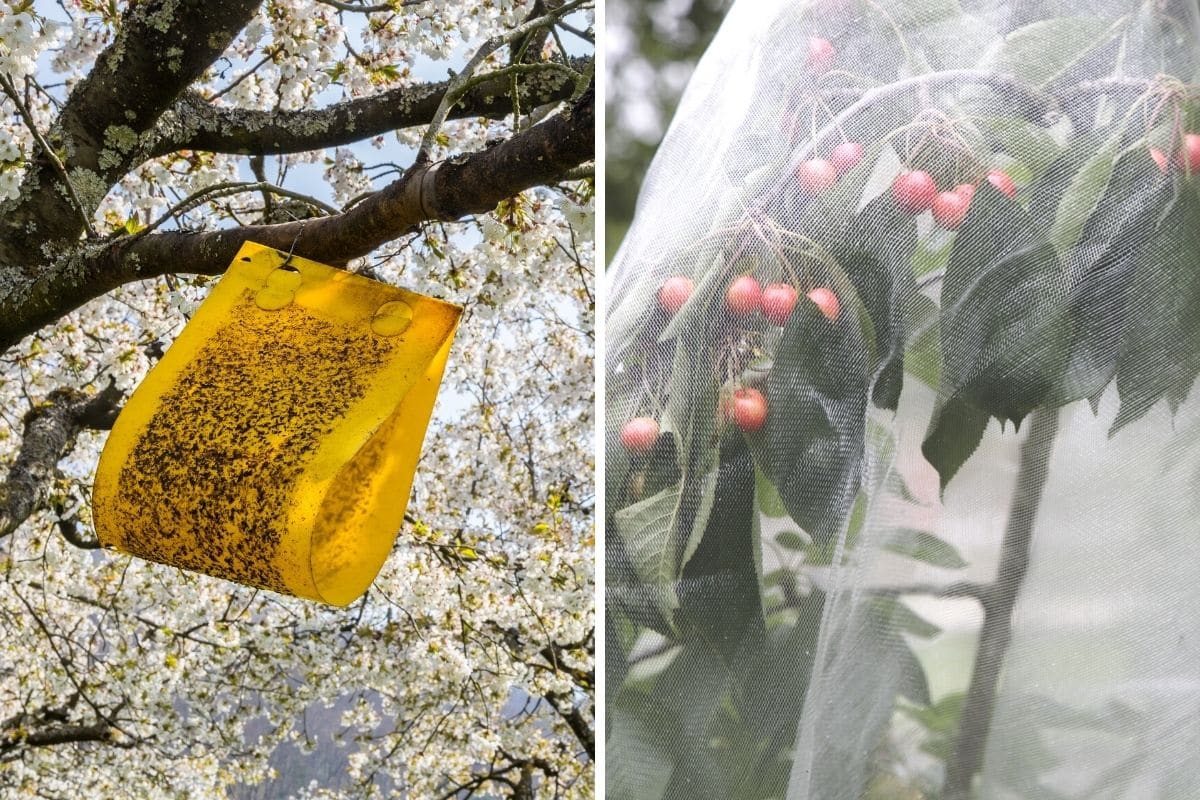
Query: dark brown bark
point(50, 431)
point(465, 185)
point(162, 46)
point(57, 734)
point(195, 125)
point(575, 720)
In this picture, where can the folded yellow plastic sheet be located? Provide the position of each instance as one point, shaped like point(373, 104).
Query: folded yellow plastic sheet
point(275, 443)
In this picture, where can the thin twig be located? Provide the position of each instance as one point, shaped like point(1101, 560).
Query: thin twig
point(270, 54)
point(456, 89)
point(226, 189)
point(587, 37)
point(55, 161)
point(465, 78)
point(370, 9)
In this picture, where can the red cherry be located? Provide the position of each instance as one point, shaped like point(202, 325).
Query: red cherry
point(778, 300)
point(1189, 155)
point(747, 409)
point(967, 190)
point(820, 54)
point(1003, 182)
point(1160, 158)
point(816, 175)
point(827, 301)
point(914, 191)
point(675, 292)
point(639, 434)
point(743, 296)
point(846, 156)
point(949, 208)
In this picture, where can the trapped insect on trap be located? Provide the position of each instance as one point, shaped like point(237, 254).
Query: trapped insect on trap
point(275, 443)
point(904, 432)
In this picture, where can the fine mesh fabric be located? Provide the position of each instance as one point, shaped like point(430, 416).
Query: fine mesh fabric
point(934, 532)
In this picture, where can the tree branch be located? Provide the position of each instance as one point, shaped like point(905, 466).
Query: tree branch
point(371, 9)
point(996, 634)
point(47, 151)
point(161, 47)
point(49, 433)
point(575, 721)
point(468, 184)
point(227, 189)
point(459, 82)
point(193, 124)
point(55, 735)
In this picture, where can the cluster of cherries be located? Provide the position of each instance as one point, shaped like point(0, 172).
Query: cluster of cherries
point(746, 407)
point(818, 174)
point(915, 191)
point(746, 295)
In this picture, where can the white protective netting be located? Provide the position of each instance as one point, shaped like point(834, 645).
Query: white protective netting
point(935, 532)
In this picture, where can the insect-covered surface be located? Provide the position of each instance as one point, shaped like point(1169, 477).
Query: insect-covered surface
point(228, 459)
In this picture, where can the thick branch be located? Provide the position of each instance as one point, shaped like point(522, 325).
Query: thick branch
point(469, 184)
point(575, 720)
point(55, 735)
point(996, 634)
point(50, 431)
point(196, 125)
point(161, 47)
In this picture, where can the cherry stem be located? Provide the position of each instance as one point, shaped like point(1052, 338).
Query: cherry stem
point(1036, 104)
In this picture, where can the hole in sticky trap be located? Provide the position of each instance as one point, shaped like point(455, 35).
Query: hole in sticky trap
point(289, 268)
point(392, 318)
point(247, 259)
point(287, 278)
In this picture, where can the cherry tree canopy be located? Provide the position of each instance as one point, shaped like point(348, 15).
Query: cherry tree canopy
point(439, 146)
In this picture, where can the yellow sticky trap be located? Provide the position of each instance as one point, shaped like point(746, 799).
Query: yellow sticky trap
point(276, 441)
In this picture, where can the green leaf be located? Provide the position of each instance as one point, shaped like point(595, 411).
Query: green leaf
point(769, 504)
point(1025, 141)
point(941, 721)
point(1047, 192)
point(930, 257)
point(922, 546)
point(640, 765)
point(1102, 267)
point(941, 717)
point(1082, 196)
point(1161, 355)
point(954, 434)
point(646, 529)
point(896, 614)
point(671, 719)
point(1041, 52)
point(719, 594)
point(812, 444)
point(913, 683)
point(876, 252)
point(706, 298)
point(1004, 326)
